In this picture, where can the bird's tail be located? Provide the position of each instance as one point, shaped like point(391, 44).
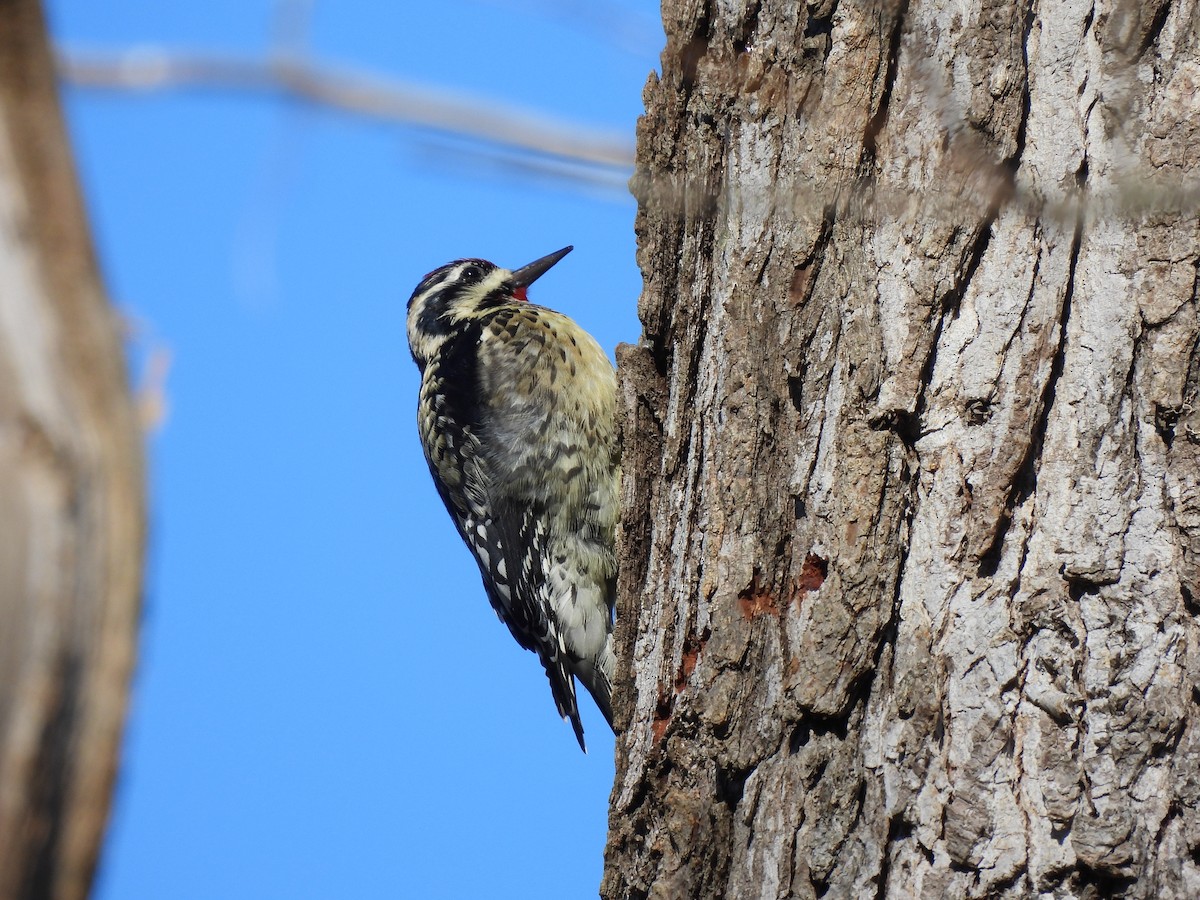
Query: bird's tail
point(562, 686)
point(597, 676)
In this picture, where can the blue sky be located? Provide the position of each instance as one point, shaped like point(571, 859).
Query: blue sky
point(326, 707)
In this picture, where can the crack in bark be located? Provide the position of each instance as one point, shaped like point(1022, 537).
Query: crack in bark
point(1014, 162)
point(1024, 482)
point(1155, 30)
point(907, 427)
point(1019, 776)
point(808, 271)
point(878, 121)
point(952, 299)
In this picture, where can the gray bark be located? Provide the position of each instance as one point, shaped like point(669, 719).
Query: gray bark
point(911, 535)
point(71, 516)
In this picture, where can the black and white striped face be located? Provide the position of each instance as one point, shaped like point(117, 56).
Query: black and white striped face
point(450, 295)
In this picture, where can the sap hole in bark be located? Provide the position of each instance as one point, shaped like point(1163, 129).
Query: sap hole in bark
point(814, 725)
point(781, 546)
point(903, 423)
point(798, 502)
point(812, 574)
point(755, 600)
point(731, 784)
point(662, 717)
point(1165, 418)
point(1078, 588)
point(818, 25)
point(799, 737)
point(660, 353)
point(978, 410)
point(1189, 600)
point(801, 284)
point(1094, 882)
point(691, 655)
point(899, 828)
point(796, 391)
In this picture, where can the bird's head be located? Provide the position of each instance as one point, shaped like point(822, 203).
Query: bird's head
point(454, 294)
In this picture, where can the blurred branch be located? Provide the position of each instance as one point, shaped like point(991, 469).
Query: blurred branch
point(349, 91)
point(604, 182)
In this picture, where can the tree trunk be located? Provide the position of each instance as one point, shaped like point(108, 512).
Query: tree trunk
point(71, 519)
point(911, 537)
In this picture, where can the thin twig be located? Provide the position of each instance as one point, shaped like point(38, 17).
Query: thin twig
point(349, 91)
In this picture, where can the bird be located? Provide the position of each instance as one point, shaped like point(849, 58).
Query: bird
point(516, 414)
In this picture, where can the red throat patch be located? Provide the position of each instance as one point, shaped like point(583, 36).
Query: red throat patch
point(521, 293)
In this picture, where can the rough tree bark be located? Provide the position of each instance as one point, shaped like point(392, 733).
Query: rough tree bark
point(909, 590)
point(71, 520)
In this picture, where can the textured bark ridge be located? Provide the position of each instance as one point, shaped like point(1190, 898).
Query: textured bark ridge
point(910, 559)
point(71, 527)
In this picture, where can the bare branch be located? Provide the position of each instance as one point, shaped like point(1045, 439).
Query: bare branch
point(350, 91)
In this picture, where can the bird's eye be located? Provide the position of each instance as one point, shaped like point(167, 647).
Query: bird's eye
point(471, 273)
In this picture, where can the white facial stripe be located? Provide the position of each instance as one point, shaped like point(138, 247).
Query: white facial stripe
point(493, 281)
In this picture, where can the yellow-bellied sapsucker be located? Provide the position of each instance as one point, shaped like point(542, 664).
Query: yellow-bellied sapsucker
point(517, 416)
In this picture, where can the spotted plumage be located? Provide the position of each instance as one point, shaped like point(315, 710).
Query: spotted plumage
point(516, 415)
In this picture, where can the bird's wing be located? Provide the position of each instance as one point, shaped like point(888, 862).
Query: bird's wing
point(503, 528)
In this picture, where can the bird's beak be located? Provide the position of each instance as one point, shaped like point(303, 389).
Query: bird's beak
point(527, 275)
